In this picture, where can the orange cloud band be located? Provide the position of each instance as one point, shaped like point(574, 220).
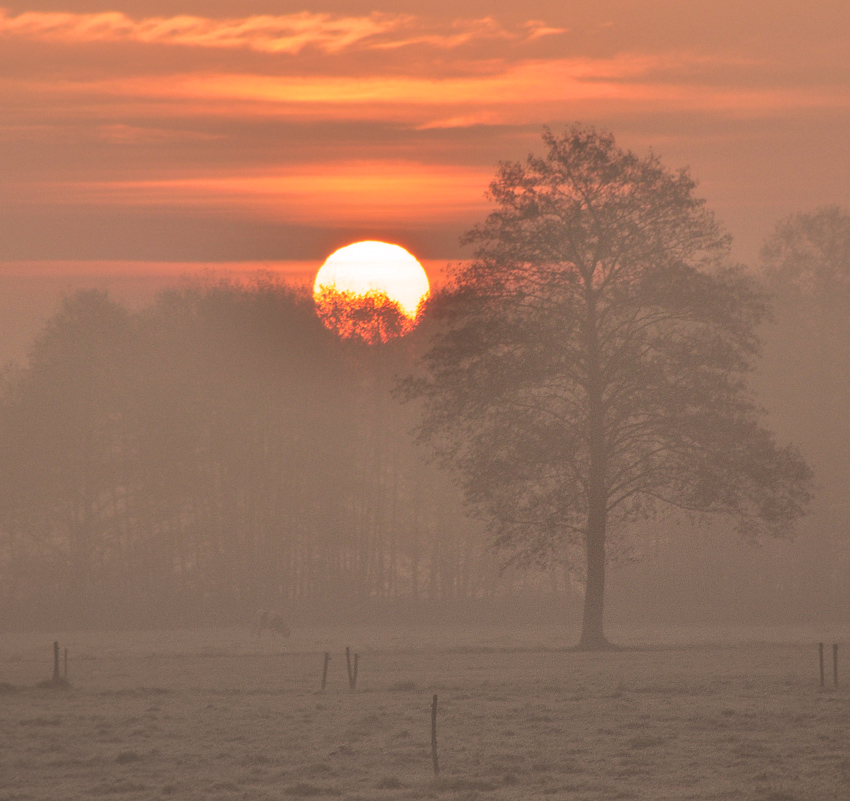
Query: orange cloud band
point(340, 192)
point(295, 271)
point(508, 93)
point(286, 33)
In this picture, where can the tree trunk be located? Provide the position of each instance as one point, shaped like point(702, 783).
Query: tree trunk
point(592, 637)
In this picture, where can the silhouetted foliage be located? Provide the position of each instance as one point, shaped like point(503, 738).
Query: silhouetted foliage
point(66, 440)
point(806, 267)
point(591, 370)
point(808, 255)
point(218, 452)
point(371, 318)
point(805, 263)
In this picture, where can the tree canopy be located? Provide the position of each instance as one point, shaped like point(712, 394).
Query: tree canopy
point(592, 362)
point(218, 451)
point(808, 254)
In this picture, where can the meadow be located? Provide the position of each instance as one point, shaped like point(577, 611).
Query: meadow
point(221, 714)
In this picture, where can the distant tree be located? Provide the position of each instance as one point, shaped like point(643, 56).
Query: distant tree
point(66, 439)
point(371, 318)
point(244, 439)
point(805, 263)
point(217, 452)
point(592, 361)
point(808, 255)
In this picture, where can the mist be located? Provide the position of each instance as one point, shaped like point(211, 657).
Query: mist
point(215, 450)
point(575, 528)
point(256, 578)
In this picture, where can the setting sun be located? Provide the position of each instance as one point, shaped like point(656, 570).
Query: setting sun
point(370, 291)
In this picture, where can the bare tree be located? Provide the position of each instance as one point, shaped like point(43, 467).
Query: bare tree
point(592, 365)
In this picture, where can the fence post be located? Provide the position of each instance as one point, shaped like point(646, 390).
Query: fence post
point(835, 663)
point(434, 736)
point(325, 670)
point(352, 671)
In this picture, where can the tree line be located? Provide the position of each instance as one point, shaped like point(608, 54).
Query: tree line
point(218, 452)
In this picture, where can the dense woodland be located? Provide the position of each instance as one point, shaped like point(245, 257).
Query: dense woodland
point(222, 451)
point(219, 452)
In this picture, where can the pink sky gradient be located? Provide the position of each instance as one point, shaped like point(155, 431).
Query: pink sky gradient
point(138, 133)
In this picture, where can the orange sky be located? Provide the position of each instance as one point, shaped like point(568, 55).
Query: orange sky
point(138, 133)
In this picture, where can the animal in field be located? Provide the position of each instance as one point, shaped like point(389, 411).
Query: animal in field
point(270, 621)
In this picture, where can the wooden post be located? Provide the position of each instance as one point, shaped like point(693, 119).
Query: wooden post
point(325, 670)
point(820, 655)
point(352, 670)
point(835, 663)
point(434, 736)
point(65, 666)
point(56, 660)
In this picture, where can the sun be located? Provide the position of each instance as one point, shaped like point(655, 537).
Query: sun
point(370, 291)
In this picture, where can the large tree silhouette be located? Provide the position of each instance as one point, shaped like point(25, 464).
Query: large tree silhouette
point(592, 361)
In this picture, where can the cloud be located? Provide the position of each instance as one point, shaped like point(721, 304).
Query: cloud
point(192, 123)
point(342, 192)
point(507, 93)
point(120, 133)
point(461, 32)
point(538, 29)
point(287, 33)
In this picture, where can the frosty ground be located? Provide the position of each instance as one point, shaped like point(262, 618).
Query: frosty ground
point(219, 714)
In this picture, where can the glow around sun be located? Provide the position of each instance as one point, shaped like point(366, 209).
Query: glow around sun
point(370, 291)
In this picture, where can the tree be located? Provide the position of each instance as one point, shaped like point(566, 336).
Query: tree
point(219, 451)
point(808, 255)
point(806, 267)
point(371, 318)
point(805, 263)
point(591, 365)
point(65, 438)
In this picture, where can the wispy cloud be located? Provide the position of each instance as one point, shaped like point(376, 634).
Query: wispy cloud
point(537, 29)
point(459, 33)
point(351, 192)
point(287, 33)
point(119, 133)
point(505, 93)
point(245, 116)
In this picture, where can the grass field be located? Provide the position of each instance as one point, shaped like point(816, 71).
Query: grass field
point(219, 714)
